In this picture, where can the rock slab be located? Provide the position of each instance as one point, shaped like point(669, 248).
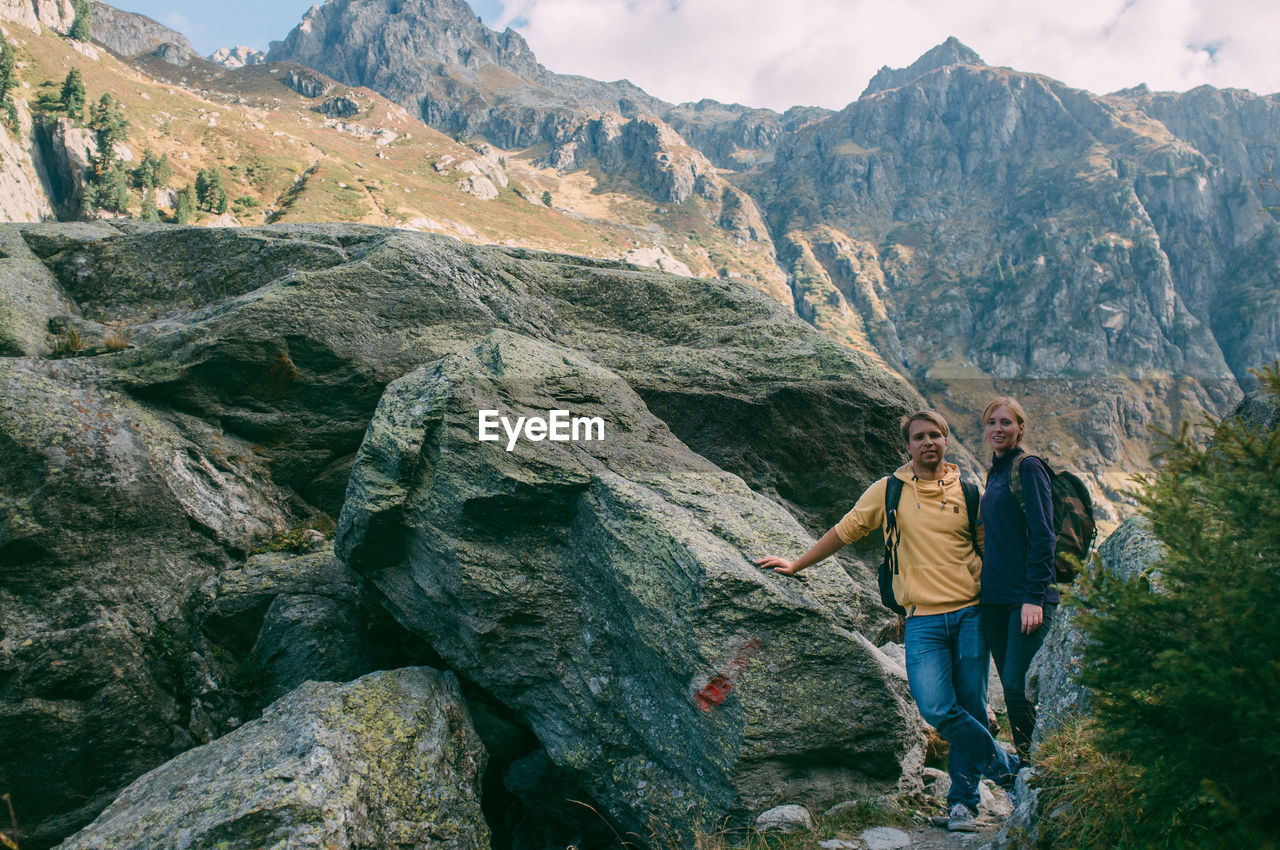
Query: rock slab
point(390, 760)
point(885, 838)
point(604, 591)
point(785, 820)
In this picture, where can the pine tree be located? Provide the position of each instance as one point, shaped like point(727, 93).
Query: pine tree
point(149, 211)
point(106, 119)
point(8, 61)
point(218, 198)
point(185, 208)
point(82, 23)
point(113, 187)
point(202, 187)
point(210, 195)
point(89, 200)
point(147, 174)
point(73, 94)
point(1187, 679)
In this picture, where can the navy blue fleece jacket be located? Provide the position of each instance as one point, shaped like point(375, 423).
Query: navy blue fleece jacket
point(1017, 561)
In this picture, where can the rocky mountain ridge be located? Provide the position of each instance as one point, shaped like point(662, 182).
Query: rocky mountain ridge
point(928, 220)
point(128, 34)
point(424, 53)
point(971, 218)
point(237, 57)
point(57, 15)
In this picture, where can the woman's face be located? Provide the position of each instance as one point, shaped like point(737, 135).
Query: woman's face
point(1002, 430)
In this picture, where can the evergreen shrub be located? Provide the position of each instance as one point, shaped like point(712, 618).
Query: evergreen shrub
point(1184, 661)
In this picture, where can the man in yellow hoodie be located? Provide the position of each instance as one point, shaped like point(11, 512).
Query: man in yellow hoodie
point(937, 583)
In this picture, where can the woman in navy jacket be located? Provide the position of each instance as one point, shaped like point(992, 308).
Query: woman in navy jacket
point(1018, 596)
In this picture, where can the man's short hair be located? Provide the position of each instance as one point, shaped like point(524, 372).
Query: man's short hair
point(924, 416)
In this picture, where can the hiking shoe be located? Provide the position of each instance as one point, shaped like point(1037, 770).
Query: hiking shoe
point(960, 819)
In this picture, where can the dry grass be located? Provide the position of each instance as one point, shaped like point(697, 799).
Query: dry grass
point(1087, 797)
point(68, 343)
point(120, 338)
point(9, 839)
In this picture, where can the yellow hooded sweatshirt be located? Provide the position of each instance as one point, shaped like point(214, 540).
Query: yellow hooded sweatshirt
point(938, 567)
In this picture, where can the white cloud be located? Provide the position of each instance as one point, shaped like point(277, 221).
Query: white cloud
point(180, 23)
point(823, 52)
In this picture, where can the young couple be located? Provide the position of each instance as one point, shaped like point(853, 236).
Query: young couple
point(964, 597)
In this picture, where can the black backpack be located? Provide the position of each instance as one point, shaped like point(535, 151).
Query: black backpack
point(1073, 521)
point(889, 569)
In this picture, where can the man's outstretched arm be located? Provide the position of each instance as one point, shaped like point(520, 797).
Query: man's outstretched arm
point(824, 548)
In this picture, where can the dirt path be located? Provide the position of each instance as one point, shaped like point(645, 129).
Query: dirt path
point(928, 837)
point(925, 836)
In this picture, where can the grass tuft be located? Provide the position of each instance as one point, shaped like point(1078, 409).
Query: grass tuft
point(1087, 797)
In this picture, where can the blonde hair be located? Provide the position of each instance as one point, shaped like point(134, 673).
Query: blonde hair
point(1012, 404)
point(923, 416)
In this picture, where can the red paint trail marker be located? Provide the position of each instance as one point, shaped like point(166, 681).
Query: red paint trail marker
point(717, 690)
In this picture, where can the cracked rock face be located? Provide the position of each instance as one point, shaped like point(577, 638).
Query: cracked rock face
point(128, 34)
point(603, 590)
point(389, 760)
point(111, 513)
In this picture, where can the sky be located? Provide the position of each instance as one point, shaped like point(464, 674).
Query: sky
point(823, 52)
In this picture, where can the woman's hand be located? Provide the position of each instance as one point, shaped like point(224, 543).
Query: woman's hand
point(1032, 617)
point(780, 565)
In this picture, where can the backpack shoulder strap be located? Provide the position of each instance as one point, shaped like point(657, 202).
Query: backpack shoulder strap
point(889, 568)
point(892, 495)
point(1015, 482)
point(971, 501)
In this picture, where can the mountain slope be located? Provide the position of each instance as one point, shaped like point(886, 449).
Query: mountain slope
point(989, 230)
point(282, 157)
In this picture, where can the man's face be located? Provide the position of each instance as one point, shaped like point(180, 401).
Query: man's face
point(926, 444)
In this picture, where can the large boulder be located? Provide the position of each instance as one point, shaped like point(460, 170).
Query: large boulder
point(112, 513)
point(313, 321)
point(390, 760)
point(1259, 409)
point(255, 360)
point(604, 590)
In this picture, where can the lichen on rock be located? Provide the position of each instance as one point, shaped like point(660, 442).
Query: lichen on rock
point(390, 760)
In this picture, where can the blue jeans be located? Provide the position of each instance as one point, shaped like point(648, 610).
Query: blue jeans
point(947, 663)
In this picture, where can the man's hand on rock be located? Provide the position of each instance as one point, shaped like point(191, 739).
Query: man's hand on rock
point(779, 565)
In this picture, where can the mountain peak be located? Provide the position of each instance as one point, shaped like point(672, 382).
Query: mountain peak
point(432, 56)
point(950, 52)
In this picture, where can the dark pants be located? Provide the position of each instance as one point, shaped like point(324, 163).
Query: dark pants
point(1012, 651)
point(947, 671)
